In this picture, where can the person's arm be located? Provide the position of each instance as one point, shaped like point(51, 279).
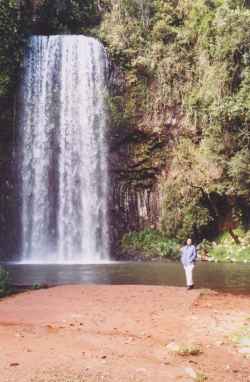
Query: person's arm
point(181, 254)
point(194, 254)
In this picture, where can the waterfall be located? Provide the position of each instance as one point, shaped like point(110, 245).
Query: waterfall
point(63, 151)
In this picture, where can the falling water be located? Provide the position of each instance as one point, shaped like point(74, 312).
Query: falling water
point(63, 156)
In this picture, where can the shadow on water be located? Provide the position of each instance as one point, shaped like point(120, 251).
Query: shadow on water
point(226, 277)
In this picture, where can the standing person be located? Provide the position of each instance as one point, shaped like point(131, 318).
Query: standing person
point(188, 257)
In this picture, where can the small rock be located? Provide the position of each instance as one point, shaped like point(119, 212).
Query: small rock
point(103, 356)
point(245, 341)
point(129, 340)
point(14, 364)
point(192, 361)
point(172, 346)
point(244, 351)
point(219, 343)
point(141, 370)
point(190, 372)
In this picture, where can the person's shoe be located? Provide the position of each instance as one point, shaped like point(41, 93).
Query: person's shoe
point(190, 287)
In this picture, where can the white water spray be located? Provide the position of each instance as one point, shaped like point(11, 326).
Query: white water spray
point(63, 158)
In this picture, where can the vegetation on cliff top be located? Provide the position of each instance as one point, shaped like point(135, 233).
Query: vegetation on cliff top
point(11, 45)
point(19, 19)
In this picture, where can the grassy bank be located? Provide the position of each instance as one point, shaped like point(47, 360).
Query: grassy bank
point(150, 244)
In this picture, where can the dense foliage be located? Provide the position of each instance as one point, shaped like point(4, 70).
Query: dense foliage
point(67, 16)
point(151, 242)
point(190, 56)
point(225, 248)
point(12, 32)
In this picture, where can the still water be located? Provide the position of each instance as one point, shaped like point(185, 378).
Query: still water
point(225, 277)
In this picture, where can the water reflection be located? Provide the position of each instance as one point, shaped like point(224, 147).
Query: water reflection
point(226, 277)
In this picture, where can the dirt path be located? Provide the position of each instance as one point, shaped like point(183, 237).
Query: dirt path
point(123, 333)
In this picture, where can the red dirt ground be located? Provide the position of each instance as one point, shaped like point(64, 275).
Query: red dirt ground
point(121, 333)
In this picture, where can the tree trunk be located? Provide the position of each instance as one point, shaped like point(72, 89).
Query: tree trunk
point(234, 236)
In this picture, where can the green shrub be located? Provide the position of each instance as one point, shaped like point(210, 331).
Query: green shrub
point(235, 253)
point(226, 250)
point(63, 16)
point(4, 284)
point(151, 242)
point(204, 247)
point(219, 252)
point(226, 238)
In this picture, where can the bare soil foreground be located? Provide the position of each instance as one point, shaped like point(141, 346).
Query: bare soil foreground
point(124, 333)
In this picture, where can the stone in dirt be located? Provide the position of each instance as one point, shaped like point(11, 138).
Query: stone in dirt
point(245, 341)
point(245, 351)
point(173, 346)
point(190, 372)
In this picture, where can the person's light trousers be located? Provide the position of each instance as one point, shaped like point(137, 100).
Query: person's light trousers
point(189, 274)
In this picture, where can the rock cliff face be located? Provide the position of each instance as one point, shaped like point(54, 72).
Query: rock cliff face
point(8, 198)
point(133, 197)
point(132, 208)
point(137, 164)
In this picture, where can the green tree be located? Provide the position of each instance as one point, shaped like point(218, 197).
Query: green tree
point(67, 16)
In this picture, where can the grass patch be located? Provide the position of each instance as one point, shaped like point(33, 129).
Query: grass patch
point(243, 332)
point(189, 350)
point(201, 377)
